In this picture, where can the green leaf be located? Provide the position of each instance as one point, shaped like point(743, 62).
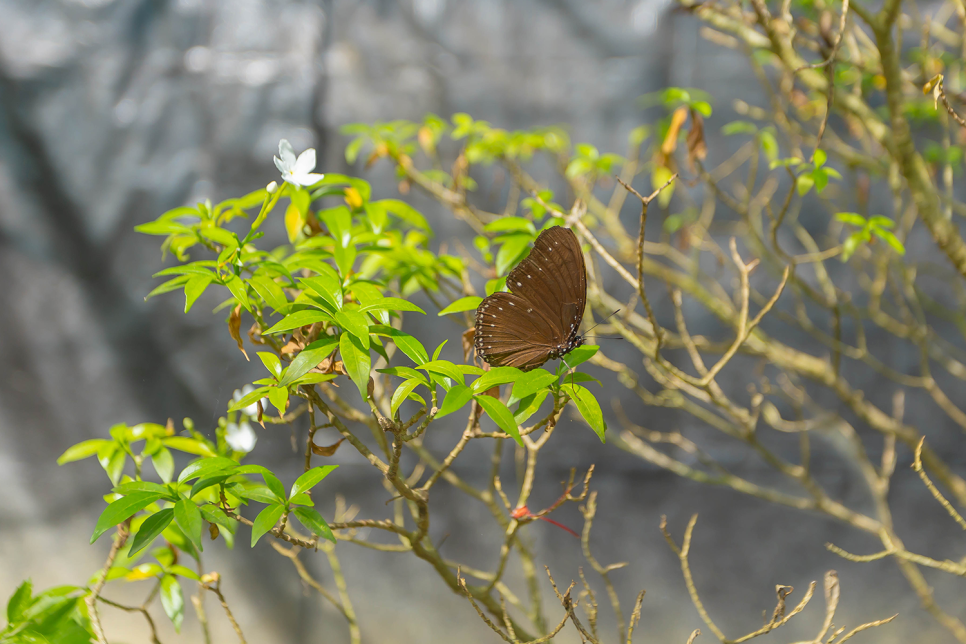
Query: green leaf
point(271, 362)
point(444, 368)
point(193, 289)
point(496, 376)
point(890, 239)
point(852, 218)
point(339, 222)
point(327, 285)
point(739, 127)
point(529, 406)
point(172, 600)
point(258, 492)
point(407, 213)
point(153, 526)
point(530, 383)
point(207, 481)
point(881, 222)
point(270, 291)
point(356, 324)
point(402, 393)
point(270, 479)
point(376, 216)
point(357, 362)
point(298, 319)
point(251, 397)
point(511, 251)
point(310, 479)
point(121, 510)
point(804, 183)
point(189, 445)
point(19, 602)
point(703, 107)
point(405, 372)
point(309, 358)
point(579, 356)
point(124, 489)
point(278, 396)
point(455, 399)
point(206, 466)
point(188, 517)
point(312, 520)
point(501, 416)
point(214, 514)
point(392, 304)
point(409, 345)
point(588, 407)
point(510, 224)
point(182, 571)
point(265, 521)
point(163, 464)
point(851, 245)
point(468, 303)
point(82, 450)
point(239, 291)
point(820, 158)
point(820, 177)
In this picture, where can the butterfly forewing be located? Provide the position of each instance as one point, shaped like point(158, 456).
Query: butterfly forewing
point(540, 317)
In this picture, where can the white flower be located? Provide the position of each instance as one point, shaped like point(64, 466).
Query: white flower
point(271, 188)
point(240, 436)
point(297, 171)
point(238, 394)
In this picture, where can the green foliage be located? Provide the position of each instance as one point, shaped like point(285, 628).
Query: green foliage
point(877, 226)
point(54, 615)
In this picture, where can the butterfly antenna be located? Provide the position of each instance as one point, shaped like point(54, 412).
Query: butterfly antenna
point(601, 322)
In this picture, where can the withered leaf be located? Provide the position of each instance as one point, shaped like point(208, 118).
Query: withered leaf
point(327, 450)
point(697, 146)
point(234, 327)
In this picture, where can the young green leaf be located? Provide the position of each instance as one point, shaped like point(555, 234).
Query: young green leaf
point(193, 289)
point(121, 510)
point(265, 521)
point(469, 303)
point(455, 399)
point(578, 356)
point(853, 218)
point(299, 319)
point(312, 520)
point(501, 416)
point(19, 602)
point(530, 383)
point(588, 407)
point(82, 450)
point(888, 237)
point(172, 600)
point(402, 393)
point(206, 466)
point(153, 526)
point(270, 479)
point(392, 304)
point(357, 362)
point(309, 358)
point(356, 324)
point(409, 345)
point(188, 518)
point(310, 479)
point(496, 376)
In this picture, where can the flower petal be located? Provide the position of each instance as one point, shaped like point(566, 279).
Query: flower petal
point(287, 153)
point(305, 162)
point(241, 437)
point(308, 179)
point(280, 165)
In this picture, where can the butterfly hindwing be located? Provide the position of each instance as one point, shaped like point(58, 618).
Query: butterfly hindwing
point(540, 316)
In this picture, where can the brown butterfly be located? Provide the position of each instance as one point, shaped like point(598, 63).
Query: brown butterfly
point(539, 318)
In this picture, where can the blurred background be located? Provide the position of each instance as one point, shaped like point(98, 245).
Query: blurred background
point(113, 111)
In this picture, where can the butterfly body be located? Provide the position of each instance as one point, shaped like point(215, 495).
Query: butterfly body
point(538, 320)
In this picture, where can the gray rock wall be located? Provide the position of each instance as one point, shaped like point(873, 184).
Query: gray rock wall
point(112, 111)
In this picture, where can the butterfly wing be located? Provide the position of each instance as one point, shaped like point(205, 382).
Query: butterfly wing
point(544, 308)
point(553, 276)
point(510, 332)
